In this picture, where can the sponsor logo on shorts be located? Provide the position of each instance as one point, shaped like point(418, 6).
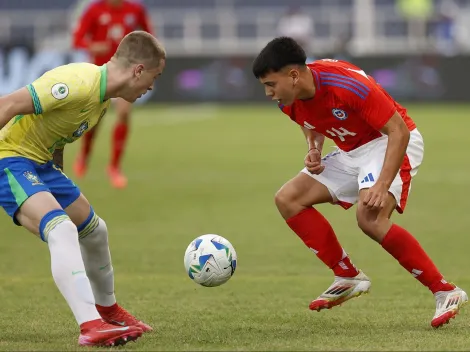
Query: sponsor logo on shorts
point(32, 178)
point(340, 114)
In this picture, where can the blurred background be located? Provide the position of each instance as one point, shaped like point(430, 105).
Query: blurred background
point(417, 49)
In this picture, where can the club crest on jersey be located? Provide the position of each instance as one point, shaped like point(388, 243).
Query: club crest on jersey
point(81, 130)
point(340, 114)
point(32, 178)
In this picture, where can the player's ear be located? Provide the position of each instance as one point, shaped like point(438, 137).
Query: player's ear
point(138, 70)
point(294, 74)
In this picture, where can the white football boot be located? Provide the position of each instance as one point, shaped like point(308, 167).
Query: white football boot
point(342, 290)
point(448, 304)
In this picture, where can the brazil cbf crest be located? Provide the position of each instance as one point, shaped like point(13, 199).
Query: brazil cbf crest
point(81, 130)
point(32, 178)
point(340, 114)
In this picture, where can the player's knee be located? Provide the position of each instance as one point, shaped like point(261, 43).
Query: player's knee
point(370, 225)
point(282, 199)
point(123, 117)
point(94, 228)
point(285, 201)
point(52, 220)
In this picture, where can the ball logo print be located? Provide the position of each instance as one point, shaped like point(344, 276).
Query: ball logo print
point(340, 114)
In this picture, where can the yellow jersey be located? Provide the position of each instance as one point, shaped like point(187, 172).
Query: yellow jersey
point(68, 101)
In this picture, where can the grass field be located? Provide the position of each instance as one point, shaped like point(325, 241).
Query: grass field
point(215, 169)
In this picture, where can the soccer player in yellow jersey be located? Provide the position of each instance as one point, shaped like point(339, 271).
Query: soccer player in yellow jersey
point(36, 122)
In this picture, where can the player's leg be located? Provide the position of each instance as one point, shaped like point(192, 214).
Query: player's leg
point(80, 165)
point(27, 199)
point(68, 267)
point(25, 196)
point(120, 134)
point(93, 238)
point(295, 201)
point(400, 243)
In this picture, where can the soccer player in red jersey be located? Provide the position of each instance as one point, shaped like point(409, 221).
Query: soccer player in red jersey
point(99, 31)
point(379, 151)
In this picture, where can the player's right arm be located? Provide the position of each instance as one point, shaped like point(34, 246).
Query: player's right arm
point(17, 103)
point(314, 139)
point(315, 142)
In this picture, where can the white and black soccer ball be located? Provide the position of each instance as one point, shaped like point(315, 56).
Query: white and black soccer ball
point(210, 260)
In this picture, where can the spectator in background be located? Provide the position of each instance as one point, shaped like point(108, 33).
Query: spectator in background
point(417, 12)
point(299, 26)
point(446, 28)
point(99, 30)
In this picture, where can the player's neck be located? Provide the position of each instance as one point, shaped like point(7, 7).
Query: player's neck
point(307, 86)
point(116, 79)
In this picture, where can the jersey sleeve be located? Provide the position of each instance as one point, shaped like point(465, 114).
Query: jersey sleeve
point(50, 92)
point(367, 99)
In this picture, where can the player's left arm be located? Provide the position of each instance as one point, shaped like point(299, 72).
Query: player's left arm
point(398, 138)
point(14, 104)
point(380, 113)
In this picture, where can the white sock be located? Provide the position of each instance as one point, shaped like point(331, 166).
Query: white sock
point(97, 259)
point(68, 271)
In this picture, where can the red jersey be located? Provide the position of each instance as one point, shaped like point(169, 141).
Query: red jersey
point(102, 22)
point(349, 106)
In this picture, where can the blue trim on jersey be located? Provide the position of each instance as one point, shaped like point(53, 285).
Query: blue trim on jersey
point(47, 219)
point(281, 106)
point(82, 226)
point(36, 102)
point(345, 87)
point(343, 81)
point(317, 79)
point(326, 74)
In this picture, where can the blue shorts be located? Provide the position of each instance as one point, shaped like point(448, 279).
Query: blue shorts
point(20, 178)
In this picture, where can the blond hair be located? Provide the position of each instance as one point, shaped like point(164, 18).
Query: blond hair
point(140, 47)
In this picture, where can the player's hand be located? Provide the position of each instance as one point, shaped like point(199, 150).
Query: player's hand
point(376, 196)
point(313, 162)
point(99, 48)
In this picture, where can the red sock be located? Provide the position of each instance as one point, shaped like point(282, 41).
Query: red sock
point(318, 235)
point(409, 253)
point(106, 310)
point(87, 144)
point(119, 142)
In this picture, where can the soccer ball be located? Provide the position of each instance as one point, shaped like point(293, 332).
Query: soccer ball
point(210, 260)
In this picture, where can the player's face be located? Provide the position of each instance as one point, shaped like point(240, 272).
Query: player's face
point(143, 81)
point(281, 86)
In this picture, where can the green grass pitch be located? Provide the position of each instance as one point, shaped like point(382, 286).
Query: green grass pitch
point(214, 169)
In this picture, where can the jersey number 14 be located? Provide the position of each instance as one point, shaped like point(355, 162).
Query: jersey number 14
point(340, 133)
